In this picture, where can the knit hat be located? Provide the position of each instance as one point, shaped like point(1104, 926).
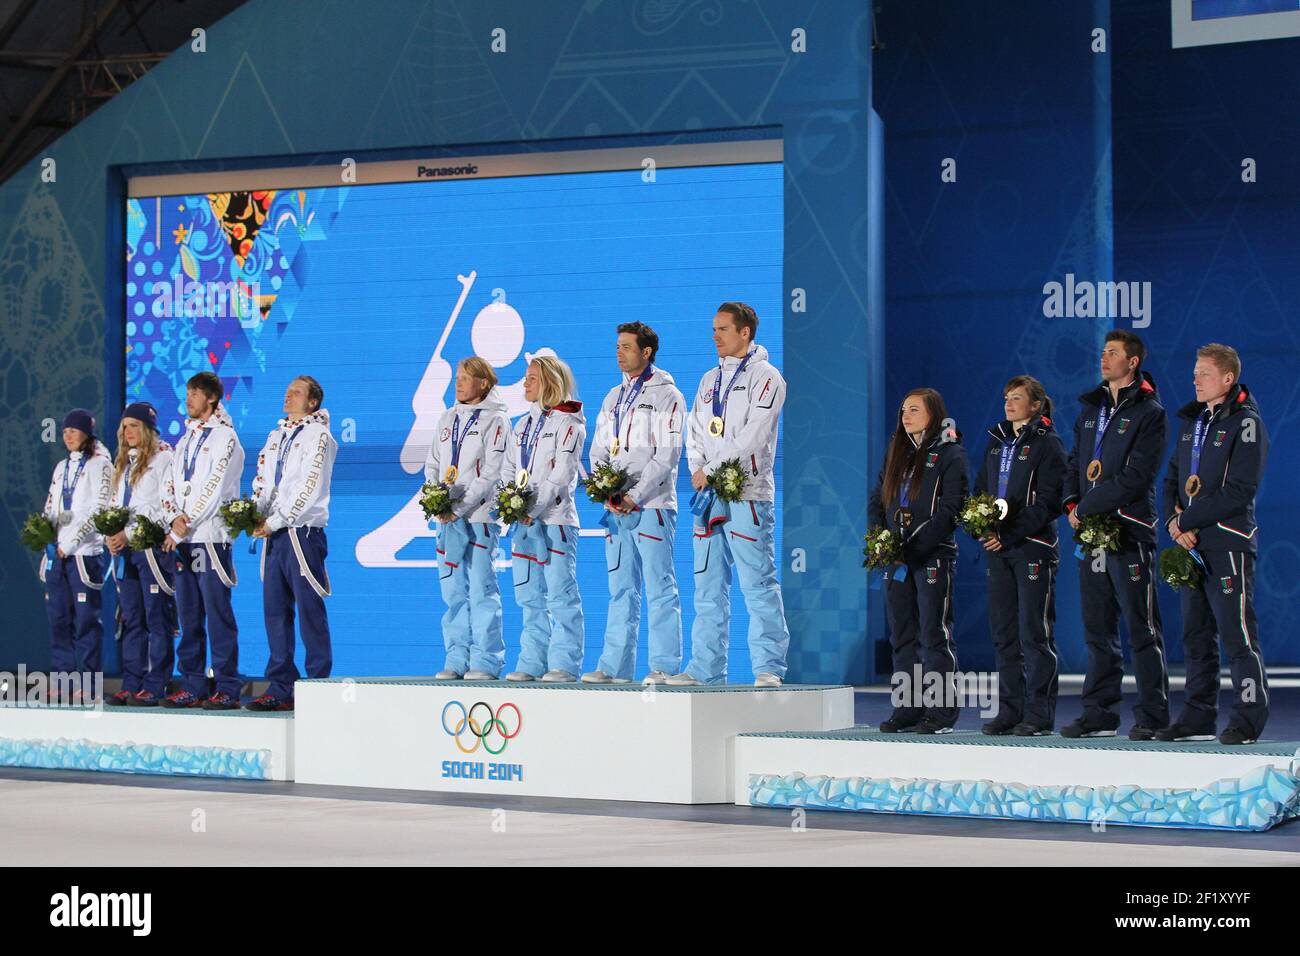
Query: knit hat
point(80, 418)
point(142, 412)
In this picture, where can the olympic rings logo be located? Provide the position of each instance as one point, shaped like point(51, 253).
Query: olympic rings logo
point(483, 729)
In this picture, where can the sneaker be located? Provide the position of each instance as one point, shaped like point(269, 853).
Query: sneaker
point(448, 674)
point(999, 727)
point(766, 680)
point(558, 677)
point(930, 725)
point(221, 701)
point(1138, 732)
point(681, 680)
point(1235, 736)
point(899, 724)
point(144, 699)
point(1179, 732)
point(656, 677)
point(120, 699)
point(597, 677)
point(1027, 729)
point(1088, 727)
point(269, 702)
point(520, 676)
point(479, 675)
point(182, 698)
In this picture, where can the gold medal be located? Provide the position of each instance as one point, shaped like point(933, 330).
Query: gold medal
point(613, 449)
point(449, 476)
point(521, 478)
point(1094, 469)
point(715, 426)
point(1193, 485)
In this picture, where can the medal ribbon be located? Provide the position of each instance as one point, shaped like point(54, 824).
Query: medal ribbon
point(1005, 458)
point(283, 455)
point(620, 406)
point(526, 447)
point(188, 463)
point(719, 402)
point(68, 491)
point(1104, 418)
point(126, 490)
point(1198, 439)
point(456, 440)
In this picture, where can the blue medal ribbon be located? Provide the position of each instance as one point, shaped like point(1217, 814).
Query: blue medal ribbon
point(281, 456)
point(620, 406)
point(1005, 459)
point(126, 488)
point(456, 440)
point(526, 447)
point(68, 491)
point(719, 401)
point(1104, 416)
point(190, 462)
point(1198, 439)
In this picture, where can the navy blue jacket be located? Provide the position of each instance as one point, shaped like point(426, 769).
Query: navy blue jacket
point(1233, 453)
point(1034, 484)
point(1131, 453)
point(934, 507)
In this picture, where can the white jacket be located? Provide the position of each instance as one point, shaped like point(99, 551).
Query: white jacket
point(553, 471)
point(650, 438)
point(302, 499)
point(750, 423)
point(147, 487)
point(482, 454)
point(215, 480)
point(74, 527)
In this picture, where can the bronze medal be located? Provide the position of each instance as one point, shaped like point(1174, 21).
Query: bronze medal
point(903, 517)
point(1193, 485)
point(1094, 469)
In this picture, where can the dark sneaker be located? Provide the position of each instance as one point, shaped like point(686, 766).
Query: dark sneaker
point(1181, 732)
point(1235, 736)
point(898, 724)
point(182, 698)
point(269, 702)
point(221, 701)
point(144, 698)
point(1138, 732)
point(929, 725)
point(120, 699)
point(1029, 729)
point(1086, 726)
point(999, 727)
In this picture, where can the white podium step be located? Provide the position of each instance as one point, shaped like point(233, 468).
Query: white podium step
point(1097, 780)
point(610, 742)
point(202, 743)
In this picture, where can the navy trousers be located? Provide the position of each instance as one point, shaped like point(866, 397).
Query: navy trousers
point(286, 587)
point(203, 602)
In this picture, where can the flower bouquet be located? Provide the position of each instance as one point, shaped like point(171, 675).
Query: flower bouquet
point(436, 500)
point(1179, 569)
point(37, 533)
point(606, 482)
point(512, 502)
point(728, 480)
point(241, 515)
point(145, 534)
point(1098, 531)
point(884, 549)
point(111, 521)
point(979, 515)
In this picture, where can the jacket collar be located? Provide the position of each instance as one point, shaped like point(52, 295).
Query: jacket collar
point(1142, 388)
point(1236, 401)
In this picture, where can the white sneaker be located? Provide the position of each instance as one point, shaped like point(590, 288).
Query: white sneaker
point(520, 677)
point(558, 677)
point(682, 680)
point(597, 677)
point(655, 677)
point(766, 680)
point(448, 675)
point(479, 675)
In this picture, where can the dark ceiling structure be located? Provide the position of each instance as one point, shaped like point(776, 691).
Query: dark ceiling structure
point(60, 60)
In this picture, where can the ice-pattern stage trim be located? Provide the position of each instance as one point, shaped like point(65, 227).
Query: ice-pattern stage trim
point(64, 754)
point(1259, 800)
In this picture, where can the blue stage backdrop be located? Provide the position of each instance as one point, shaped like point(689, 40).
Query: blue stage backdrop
point(281, 84)
point(378, 290)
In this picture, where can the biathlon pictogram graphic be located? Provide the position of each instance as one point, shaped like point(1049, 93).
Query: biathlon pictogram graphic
point(482, 732)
